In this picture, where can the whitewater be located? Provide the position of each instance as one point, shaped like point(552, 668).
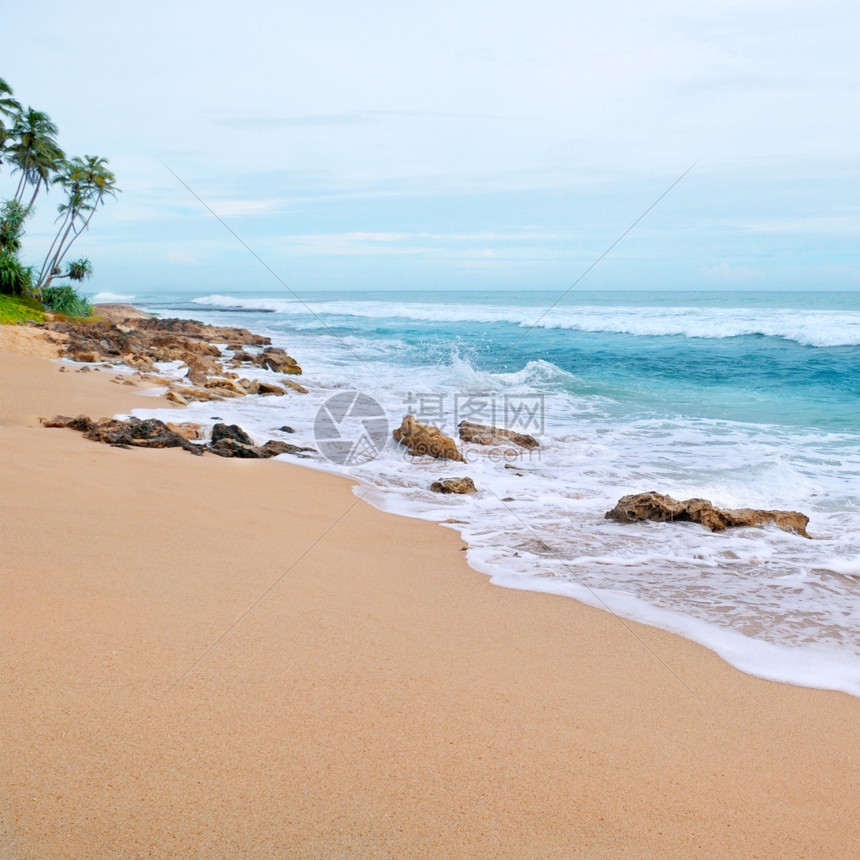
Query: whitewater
point(749, 400)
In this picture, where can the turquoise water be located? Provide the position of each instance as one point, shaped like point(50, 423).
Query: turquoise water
point(750, 400)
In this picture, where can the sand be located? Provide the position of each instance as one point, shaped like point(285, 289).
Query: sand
point(224, 658)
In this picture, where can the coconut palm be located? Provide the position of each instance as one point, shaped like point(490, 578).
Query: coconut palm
point(32, 147)
point(87, 181)
point(9, 109)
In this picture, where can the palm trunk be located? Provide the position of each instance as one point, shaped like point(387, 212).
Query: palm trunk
point(33, 198)
point(45, 276)
point(51, 249)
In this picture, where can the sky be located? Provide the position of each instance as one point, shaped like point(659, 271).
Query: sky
point(466, 145)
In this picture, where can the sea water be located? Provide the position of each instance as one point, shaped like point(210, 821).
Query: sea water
point(745, 399)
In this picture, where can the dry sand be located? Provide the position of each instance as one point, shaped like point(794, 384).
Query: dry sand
point(237, 659)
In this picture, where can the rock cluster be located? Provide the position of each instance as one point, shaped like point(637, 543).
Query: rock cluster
point(424, 439)
point(228, 440)
point(660, 508)
point(483, 434)
point(141, 341)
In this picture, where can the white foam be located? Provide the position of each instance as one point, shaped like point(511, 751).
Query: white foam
point(821, 328)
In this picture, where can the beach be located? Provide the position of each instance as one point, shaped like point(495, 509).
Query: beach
point(228, 658)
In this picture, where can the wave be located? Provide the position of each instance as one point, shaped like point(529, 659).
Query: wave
point(112, 297)
point(816, 328)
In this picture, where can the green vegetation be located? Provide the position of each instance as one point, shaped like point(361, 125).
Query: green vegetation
point(28, 145)
point(65, 300)
point(15, 309)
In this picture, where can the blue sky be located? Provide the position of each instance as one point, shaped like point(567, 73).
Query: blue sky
point(467, 145)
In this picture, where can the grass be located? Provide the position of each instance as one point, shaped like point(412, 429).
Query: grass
point(15, 309)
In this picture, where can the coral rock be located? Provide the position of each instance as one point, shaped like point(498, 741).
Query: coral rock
point(483, 434)
point(659, 508)
point(460, 486)
point(423, 439)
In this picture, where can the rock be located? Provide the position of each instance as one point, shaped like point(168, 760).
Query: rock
point(230, 431)
point(81, 423)
point(460, 486)
point(655, 506)
point(148, 433)
point(286, 429)
point(277, 359)
point(423, 439)
point(294, 386)
point(275, 447)
point(226, 386)
point(226, 447)
point(483, 434)
point(231, 448)
point(265, 388)
point(175, 397)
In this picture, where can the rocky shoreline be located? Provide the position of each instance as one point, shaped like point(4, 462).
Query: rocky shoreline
point(214, 357)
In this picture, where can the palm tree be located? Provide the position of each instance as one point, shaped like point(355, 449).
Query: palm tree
point(87, 181)
point(10, 109)
point(33, 149)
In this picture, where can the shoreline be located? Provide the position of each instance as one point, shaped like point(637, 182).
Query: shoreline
point(382, 699)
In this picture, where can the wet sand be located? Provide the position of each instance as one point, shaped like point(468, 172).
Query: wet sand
point(225, 658)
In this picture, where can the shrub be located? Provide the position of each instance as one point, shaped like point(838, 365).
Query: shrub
point(65, 300)
point(16, 279)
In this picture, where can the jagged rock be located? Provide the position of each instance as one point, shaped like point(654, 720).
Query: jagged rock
point(226, 447)
point(230, 431)
point(655, 506)
point(226, 386)
point(423, 439)
point(81, 423)
point(461, 486)
point(483, 434)
point(294, 386)
point(277, 359)
point(232, 448)
point(265, 388)
point(135, 432)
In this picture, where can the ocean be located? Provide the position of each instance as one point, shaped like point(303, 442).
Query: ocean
point(745, 399)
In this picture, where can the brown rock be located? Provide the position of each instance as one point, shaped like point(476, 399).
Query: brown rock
point(659, 508)
point(424, 439)
point(294, 386)
point(483, 434)
point(461, 486)
point(148, 433)
point(277, 359)
point(230, 431)
point(265, 388)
